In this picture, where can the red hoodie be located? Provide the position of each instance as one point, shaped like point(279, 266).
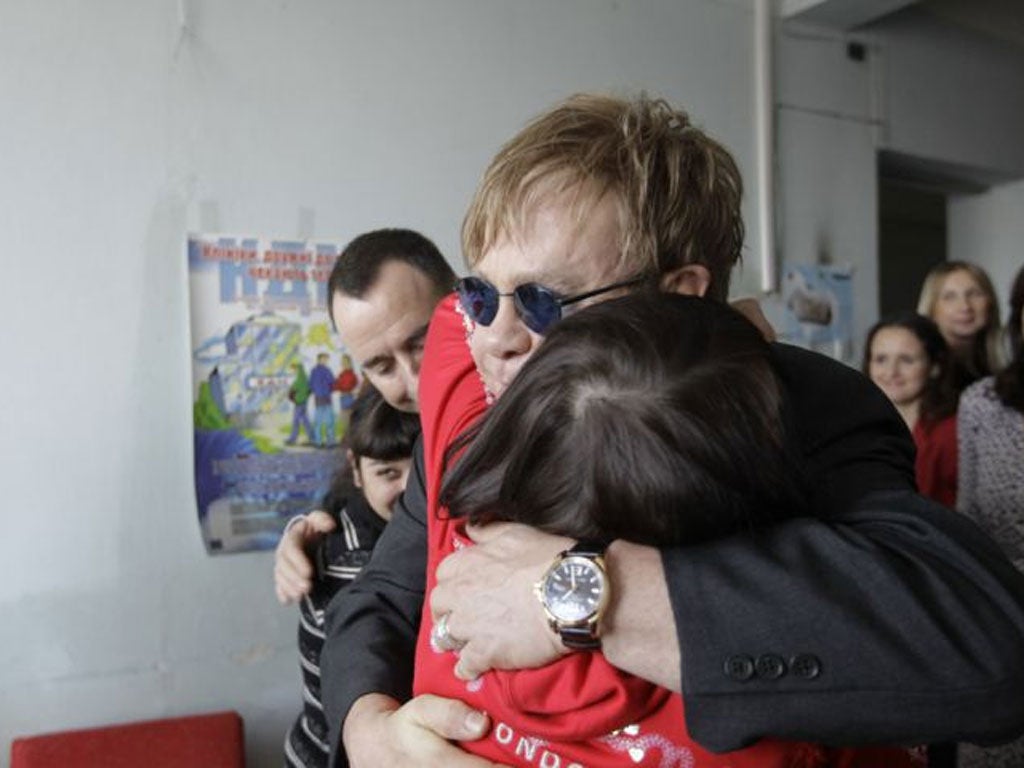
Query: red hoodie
point(579, 711)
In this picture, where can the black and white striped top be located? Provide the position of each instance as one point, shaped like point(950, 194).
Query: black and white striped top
point(338, 561)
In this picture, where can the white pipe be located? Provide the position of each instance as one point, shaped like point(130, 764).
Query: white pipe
point(764, 143)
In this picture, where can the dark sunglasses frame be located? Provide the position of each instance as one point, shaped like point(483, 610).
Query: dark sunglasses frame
point(537, 306)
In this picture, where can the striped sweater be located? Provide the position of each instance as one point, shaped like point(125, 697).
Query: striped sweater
point(338, 560)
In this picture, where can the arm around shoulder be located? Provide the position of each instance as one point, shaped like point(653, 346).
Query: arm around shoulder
point(902, 623)
point(879, 617)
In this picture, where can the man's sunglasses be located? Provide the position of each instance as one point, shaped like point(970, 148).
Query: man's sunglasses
point(539, 307)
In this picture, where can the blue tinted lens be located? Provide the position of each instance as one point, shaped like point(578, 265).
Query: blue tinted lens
point(479, 299)
point(538, 307)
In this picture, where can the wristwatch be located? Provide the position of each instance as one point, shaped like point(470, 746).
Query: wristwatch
point(574, 592)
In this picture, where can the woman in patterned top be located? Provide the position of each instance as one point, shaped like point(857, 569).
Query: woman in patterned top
point(361, 498)
point(991, 427)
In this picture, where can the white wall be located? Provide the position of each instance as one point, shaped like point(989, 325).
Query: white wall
point(988, 229)
point(950, 96)
point(122, 131)
point(826, 148)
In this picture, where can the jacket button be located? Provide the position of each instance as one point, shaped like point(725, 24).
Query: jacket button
point(805, 665)
point(739, 667)
point(770, 666)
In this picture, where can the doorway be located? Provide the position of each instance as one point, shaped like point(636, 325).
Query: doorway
point(911, 240)
point(912, 227)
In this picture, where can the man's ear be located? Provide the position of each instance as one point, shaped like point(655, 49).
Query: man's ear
point(688, 280)
point(356, 478)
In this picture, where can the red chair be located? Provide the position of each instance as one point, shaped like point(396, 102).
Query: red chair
point(198, 741)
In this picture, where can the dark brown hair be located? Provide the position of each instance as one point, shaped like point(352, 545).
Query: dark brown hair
point(940, 395)
point(652, 417)
point(356, 269)
point(375, 431)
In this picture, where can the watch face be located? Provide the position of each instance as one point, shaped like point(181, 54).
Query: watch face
point(573, 589)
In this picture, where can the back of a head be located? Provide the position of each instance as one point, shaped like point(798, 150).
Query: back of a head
point(678, 190)
point(654, 417)
point(356, 269)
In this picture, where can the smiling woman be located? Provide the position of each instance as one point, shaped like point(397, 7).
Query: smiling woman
point(907, 357)
point(960, 298)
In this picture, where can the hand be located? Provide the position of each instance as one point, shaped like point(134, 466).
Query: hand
point(379, 734)
point(293, 569)
point(487, 592)
point(751, 310)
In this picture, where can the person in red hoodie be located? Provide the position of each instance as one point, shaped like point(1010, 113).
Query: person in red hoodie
point(618, 425)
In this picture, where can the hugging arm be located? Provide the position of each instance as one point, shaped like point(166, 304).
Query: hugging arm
point(367, 659)
point(372, 625)
point(894, 619)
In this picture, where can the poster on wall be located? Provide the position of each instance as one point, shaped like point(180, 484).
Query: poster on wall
point(271, 390)
point(818, 308)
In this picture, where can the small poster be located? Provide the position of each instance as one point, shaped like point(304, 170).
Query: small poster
point(818, 308)
point(271, 389)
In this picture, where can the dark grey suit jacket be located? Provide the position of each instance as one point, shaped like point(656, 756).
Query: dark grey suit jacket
point(882, 618)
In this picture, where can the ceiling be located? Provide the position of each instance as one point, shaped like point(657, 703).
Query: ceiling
point(1000, 19)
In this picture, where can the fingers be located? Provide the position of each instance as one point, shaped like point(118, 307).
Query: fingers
point(293, 570)
point(469, 666)
point(377, 732)
point(449, 718)
point(450, 574)
point(320, 522)
point(449, 567)
point(481, 533)
point(289, 586)
point(441, 638)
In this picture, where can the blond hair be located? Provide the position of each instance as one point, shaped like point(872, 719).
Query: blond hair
point(677, 190)
point(986, 350)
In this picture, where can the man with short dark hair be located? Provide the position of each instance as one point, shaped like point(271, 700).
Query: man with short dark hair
point(381, 293)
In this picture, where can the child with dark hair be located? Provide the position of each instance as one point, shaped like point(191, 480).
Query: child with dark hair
point(363, 492)
point(631, 410)
point(908, 358)
point(628, 413)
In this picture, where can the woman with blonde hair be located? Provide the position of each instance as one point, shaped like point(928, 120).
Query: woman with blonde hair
point(960, 298)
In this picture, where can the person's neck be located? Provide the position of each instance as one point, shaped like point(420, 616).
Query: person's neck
point(960, 347)
point(910, 412)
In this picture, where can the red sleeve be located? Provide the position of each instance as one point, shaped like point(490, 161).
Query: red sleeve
point(451, 393)
point(936, 463)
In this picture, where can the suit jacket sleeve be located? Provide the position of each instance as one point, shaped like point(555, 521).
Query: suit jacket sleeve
point(371, 627)
point(895, 620)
